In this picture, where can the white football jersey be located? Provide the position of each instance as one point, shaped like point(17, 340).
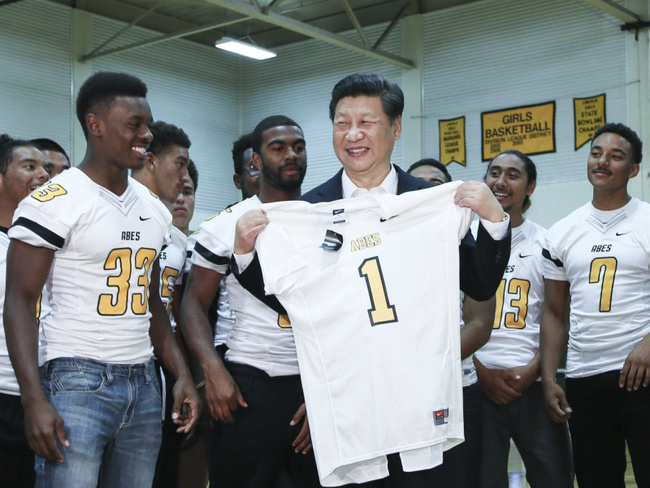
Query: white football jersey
point(172, 262)
point(371, 287)
point(99, 279)
point(605, 257)
point(260, 337)
point(8, 382)
point(515, 335)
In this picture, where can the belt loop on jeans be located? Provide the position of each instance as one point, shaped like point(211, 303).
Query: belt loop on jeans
point(109, 374)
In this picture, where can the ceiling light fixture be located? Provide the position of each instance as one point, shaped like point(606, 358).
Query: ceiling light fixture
point(244, 48)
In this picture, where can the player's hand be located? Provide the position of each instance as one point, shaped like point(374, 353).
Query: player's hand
point(527, 374)
point(248, 228)
point(302, 442)
point(222, 394)
point(636, 370)
point(187, 405)
point(498, 384)
point(479, 197)
point(42, 424)
point(555, 401)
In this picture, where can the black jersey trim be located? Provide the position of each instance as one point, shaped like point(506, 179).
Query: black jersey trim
point(556, 262)
point(46, 234)
point(4, 230)
point(210, 256)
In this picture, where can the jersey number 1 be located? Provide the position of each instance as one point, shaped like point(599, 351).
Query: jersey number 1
point(382, 312)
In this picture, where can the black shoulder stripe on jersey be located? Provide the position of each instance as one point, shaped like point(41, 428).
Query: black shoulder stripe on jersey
point(210, 256)
point(556, 262)
point(46, 234)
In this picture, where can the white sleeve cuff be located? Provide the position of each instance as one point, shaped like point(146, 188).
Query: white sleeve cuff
point(497, 230)
point(243, 260)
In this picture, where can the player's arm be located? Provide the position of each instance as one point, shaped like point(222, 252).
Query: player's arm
point(479, 320)
point(167, 351)
point(482, 262)
point(636, 370)
point(27, 270)
point(221, 392)
point(527, 374)
point(554, 335)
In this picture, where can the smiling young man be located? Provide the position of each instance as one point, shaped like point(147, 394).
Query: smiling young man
point(598, 266)
point(508, 365)
point(256, 392)
point(22, 170)
point(93, 236)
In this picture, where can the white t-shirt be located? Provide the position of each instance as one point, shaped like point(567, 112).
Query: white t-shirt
point(376, 324)
point(99, 279)
point(260, 337)
point(515, 335)
point(8, 382)
point(605, 257)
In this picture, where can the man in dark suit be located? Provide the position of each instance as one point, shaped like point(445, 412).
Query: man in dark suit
point(366, 111)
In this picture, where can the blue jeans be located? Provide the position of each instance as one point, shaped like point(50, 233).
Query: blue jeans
point(112, 417)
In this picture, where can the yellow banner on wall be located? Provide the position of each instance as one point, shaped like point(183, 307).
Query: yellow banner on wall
point(529, 129)
point(588, 115)
point(452, 141)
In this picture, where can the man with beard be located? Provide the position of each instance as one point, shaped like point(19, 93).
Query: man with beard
point(256, 392)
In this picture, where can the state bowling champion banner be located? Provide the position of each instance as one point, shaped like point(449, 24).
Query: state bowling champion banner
point(529, 129)
point(452, 141)
point(588, 115)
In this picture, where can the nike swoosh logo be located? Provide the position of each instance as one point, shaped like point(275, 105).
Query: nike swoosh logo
point(524, 255)
point(622, 233)
point(143, 218)
point(381, 219)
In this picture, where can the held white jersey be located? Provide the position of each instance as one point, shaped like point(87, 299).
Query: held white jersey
point(260, 337)
point(605, 257)
point(99, 279)
point(371, 287)
point(515, 335)
point(8, 382)
point(172, 262)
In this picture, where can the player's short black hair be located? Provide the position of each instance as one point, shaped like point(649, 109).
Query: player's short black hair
point(431, 162)
point(45, 144)
point(193, 171)
point(101, 89)
point(626, 133)
point(371, 85)
point(165, 136)
point(7, 146)
point(529, 166)
point(269, 123)
point(238, 149)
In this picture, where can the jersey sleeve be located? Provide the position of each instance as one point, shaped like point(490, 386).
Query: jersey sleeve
point(553, 264)
point(213, 244)
point(46, 217)
point(282, 265)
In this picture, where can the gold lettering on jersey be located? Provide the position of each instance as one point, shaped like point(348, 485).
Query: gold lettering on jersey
point(130, 235)
point(365, 242)
point(601, 248)
point(46, 193)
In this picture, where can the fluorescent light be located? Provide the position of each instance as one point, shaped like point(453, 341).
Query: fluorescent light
point(244, 48)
